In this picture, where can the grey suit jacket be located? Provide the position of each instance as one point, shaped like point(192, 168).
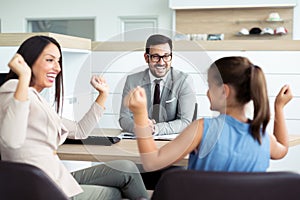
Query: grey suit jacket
point(177, 101)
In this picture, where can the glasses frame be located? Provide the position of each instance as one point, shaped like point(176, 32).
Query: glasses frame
point(160, 57)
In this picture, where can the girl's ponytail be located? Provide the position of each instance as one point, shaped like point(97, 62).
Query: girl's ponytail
point(258, 93)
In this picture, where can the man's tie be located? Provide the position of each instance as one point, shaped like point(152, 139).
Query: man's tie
point(156, 100)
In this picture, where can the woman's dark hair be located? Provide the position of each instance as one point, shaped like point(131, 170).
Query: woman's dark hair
point(30, 50)
point(249, 82)
point(157, 39)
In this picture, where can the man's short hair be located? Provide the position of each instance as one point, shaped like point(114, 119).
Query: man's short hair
point(158, 39)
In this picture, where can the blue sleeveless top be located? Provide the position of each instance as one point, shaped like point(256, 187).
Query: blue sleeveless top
point(227, 145)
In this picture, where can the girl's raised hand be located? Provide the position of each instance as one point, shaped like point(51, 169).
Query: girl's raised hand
point(136, 100)
point(283, 97)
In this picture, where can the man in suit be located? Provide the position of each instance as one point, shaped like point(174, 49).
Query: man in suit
point(172, 110)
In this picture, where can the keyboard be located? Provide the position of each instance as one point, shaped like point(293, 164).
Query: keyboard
point(95, 140)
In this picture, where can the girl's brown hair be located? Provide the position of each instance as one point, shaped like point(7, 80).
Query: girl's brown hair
point(249, 82)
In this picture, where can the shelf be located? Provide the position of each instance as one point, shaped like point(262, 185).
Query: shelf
point(67, 42)
point(276, 21)
point(260, 21)
point(217, 45)
point(259, 35)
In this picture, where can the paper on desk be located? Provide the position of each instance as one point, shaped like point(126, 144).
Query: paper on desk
point(127, 135)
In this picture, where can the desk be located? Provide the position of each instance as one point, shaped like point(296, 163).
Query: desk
point(294, 140)
point(126, 149)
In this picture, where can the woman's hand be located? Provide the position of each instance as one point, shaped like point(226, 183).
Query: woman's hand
point(283, 97)
point(99, 83)
point(18, 65)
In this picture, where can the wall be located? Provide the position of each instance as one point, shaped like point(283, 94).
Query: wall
point(115, 65)
point(280, 66)
point(228, 3)
point(297, 21)
point(13, 13)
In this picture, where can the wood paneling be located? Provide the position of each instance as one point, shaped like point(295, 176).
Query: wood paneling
point(226, 45)
point(66, 41)
point(230, 21)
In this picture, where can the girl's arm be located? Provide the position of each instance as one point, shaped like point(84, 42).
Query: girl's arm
point(279, 139)
point(152, 157)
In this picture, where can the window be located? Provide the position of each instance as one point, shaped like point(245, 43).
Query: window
point(75, 27)
point(138, 28)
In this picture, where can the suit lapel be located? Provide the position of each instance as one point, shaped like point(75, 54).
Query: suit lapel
point(146, 84)
point(167, 90)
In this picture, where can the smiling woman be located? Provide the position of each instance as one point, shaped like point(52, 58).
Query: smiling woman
point(46, 68)
point(40, 130)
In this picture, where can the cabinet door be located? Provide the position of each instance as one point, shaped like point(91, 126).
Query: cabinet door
point(6, 53)
point(77, 88)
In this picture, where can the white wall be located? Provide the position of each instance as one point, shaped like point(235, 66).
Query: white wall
point(116, 65)
point(13, 13)
point(227, 3)
point(296, 35)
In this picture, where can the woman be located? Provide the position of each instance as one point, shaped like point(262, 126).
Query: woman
point(31, 130)
point(229, 142)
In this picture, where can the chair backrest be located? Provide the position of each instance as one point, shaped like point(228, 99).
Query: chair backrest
point(23, 181)
point(188, 184)
point(195, 112)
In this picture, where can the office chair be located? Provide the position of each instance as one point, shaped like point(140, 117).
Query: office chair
point(22, 181)
point(195, 115)
point(189, 184)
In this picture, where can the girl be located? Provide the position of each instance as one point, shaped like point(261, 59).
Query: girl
point(229, 142)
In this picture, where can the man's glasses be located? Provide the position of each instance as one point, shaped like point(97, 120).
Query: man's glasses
point(156, 58)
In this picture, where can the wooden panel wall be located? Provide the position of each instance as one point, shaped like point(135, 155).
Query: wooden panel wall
point(280, 67)
point(230, 21)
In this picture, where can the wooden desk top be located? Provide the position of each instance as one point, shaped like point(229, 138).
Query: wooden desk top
point(126, 149)
point(294, 140)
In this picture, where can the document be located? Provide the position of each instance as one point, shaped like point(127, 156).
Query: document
point(127, 135)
